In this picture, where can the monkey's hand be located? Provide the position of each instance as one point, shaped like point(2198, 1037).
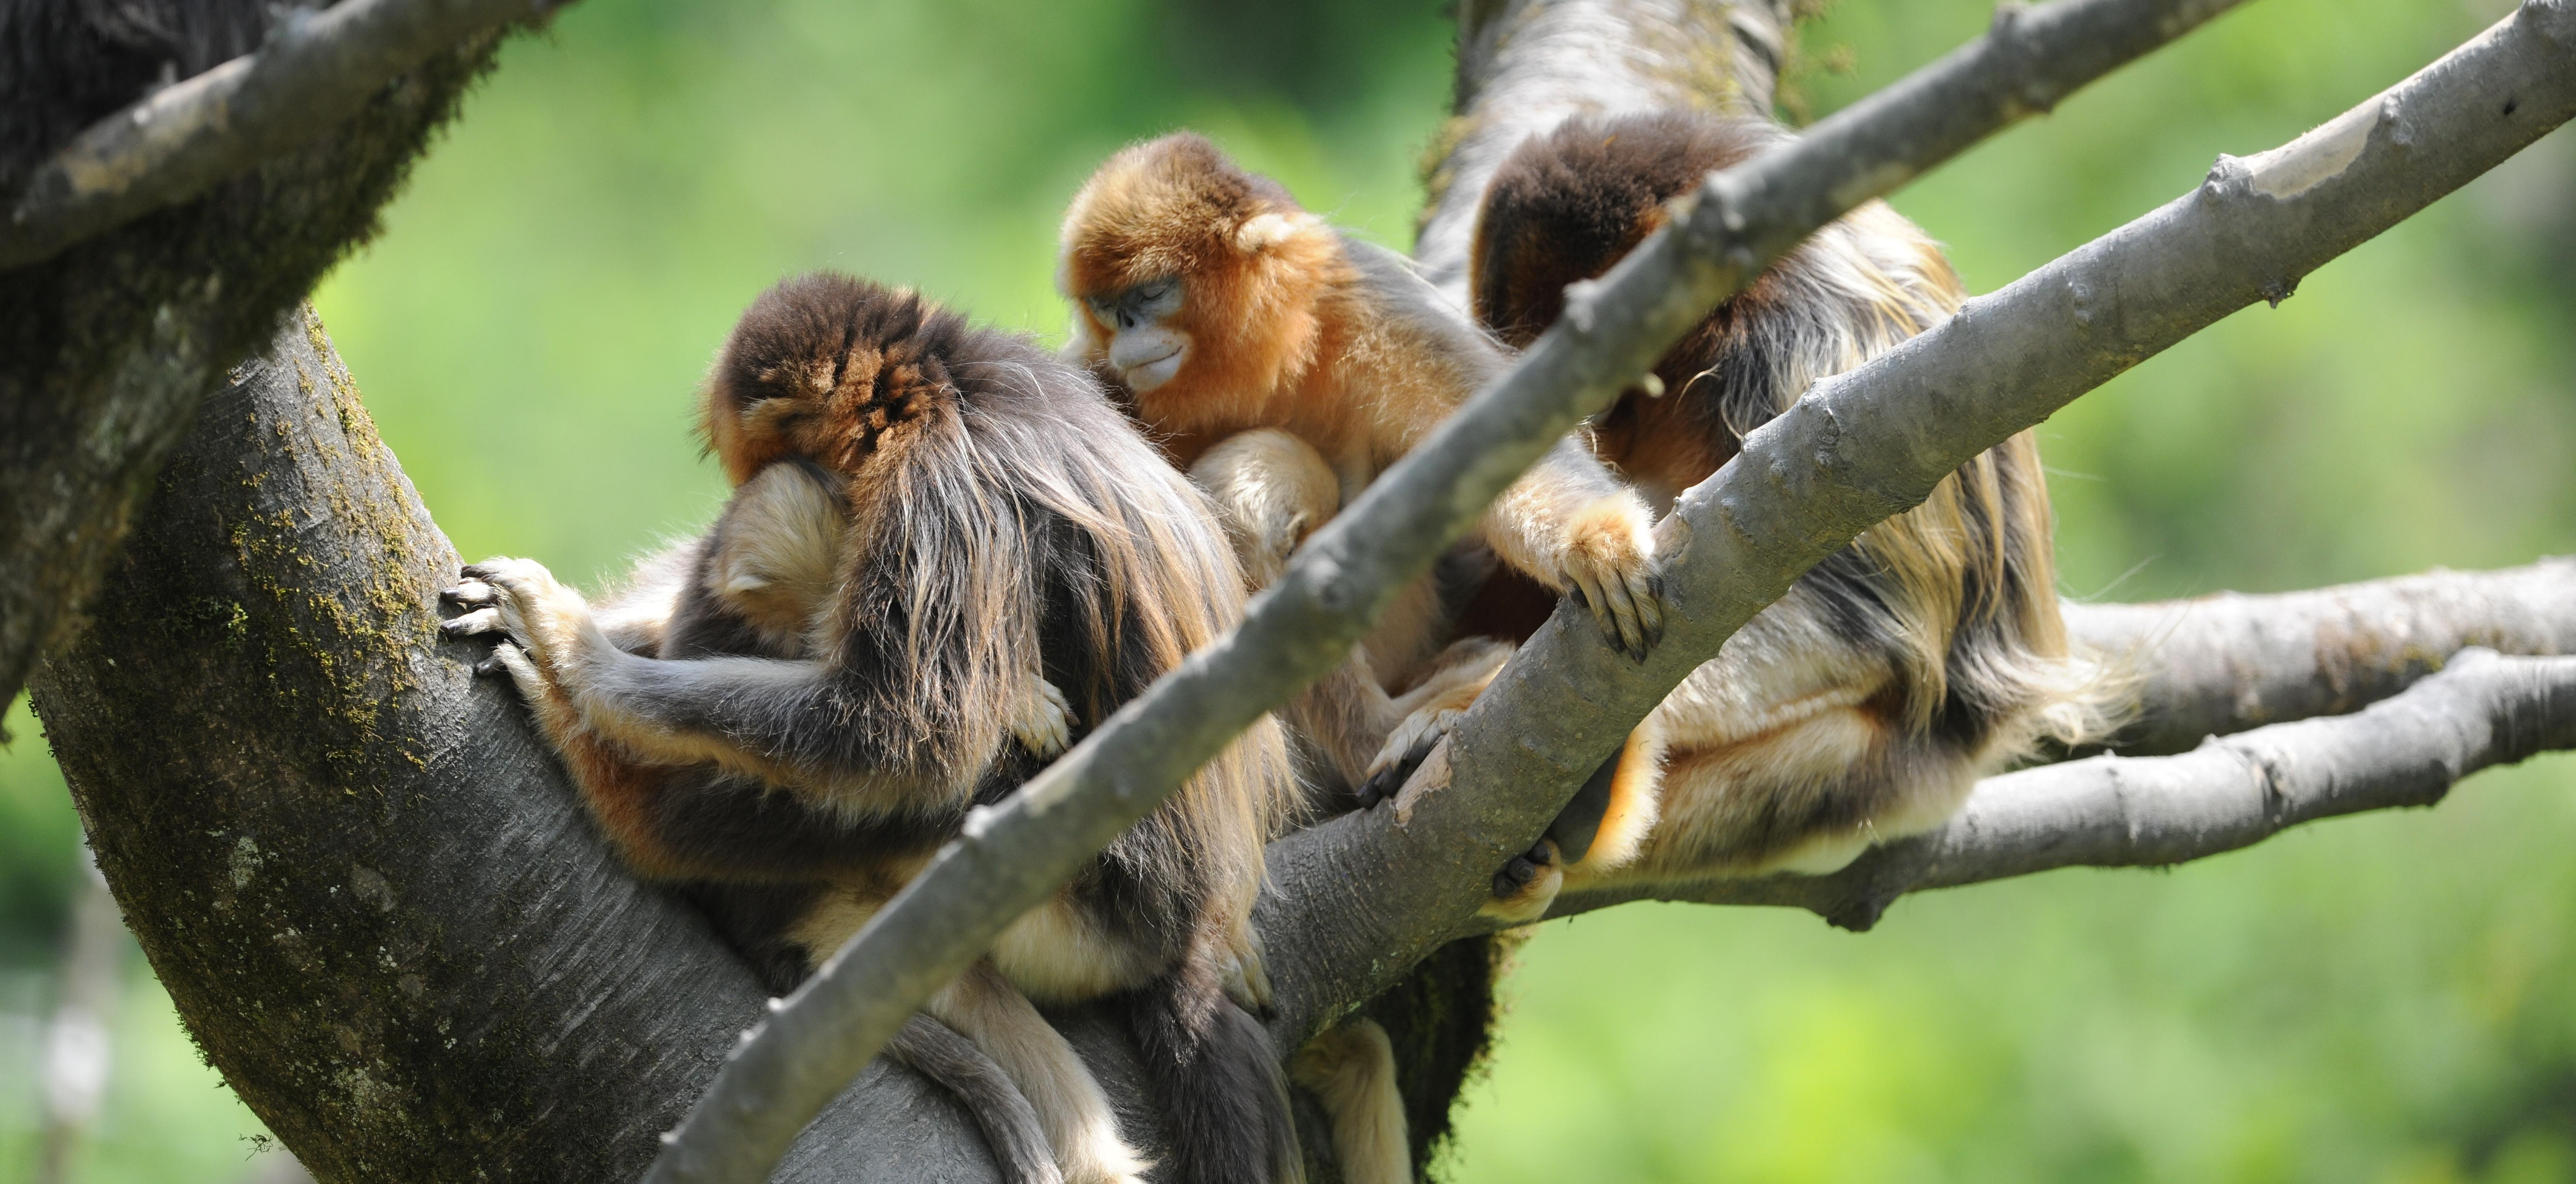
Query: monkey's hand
point(1043, 722)
point(520, 598)
point(1407, 747)
point(1610, 558)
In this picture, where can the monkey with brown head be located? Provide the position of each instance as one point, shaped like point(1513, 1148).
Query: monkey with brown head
point(1001, 559)
point(1863, 705)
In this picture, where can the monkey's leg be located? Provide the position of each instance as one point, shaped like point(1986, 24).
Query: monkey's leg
point(1070, 1106)
point(1216, 1080)
point(1350, 1068)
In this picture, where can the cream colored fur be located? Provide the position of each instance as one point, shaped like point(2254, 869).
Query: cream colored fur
point(1079, 1123)
point(1350, 1068)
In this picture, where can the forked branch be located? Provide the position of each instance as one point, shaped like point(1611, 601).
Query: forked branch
point(2218, 665)
point(315, 71)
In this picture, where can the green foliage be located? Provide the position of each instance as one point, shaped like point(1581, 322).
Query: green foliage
point(2380, 999)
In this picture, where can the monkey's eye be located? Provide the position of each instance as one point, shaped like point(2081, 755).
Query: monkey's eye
point(1154, 291)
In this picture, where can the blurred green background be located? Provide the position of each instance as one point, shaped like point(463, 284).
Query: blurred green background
point(2389, 998)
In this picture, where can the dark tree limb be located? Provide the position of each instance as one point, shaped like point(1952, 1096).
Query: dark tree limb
point(1362, 893)
point(1013, 856)
point(2217, 665)
point(107, 348)
point(316, 70)
point(2483, 710)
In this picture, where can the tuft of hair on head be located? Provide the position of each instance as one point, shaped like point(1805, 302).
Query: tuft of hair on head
point(1170, 206)
point(1568, 204)
point(829, 367)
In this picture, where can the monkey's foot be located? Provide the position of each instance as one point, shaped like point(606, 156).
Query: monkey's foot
point(1247, 977)
point(1610, 559)
point(1526, 886)
point(1043, 722)
point(1405, 750)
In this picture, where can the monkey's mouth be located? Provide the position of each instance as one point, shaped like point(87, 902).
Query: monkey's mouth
point(1154, 371)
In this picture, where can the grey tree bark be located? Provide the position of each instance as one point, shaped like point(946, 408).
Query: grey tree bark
point(381, 908)
point(2220, 664)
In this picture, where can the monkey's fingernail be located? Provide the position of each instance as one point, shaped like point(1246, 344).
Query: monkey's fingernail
point(488, 666)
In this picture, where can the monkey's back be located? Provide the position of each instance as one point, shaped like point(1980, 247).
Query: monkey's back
point(1944, 618)
point(1005, 522)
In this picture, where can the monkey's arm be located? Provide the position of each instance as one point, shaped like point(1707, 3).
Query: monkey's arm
point(790, 722)
point(637, 614)
point(1569, 523)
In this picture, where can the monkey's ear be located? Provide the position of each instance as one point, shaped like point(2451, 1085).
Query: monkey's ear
point(1264, 231)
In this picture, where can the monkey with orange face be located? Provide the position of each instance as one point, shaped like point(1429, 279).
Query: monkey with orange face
point(1285, 366)
point(1220, 306)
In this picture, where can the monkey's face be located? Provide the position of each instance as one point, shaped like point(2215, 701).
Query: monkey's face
point(1140, 331)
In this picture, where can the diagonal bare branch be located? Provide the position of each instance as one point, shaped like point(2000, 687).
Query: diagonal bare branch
point(1013, 856)
point(2483, 710)
point(1868, 444)
point(315, 71)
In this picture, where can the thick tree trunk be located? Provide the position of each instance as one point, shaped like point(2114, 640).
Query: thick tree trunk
point(363, 879)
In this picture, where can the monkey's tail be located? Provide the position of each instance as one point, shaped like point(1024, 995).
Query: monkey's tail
point(1009, 1122)
point(1217, 1081)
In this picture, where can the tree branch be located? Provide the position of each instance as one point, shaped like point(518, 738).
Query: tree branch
point(1525, 66)
point(315, 71)
point(1362, 895)
point(1013, 856)
point(2218, 665)
point(2109, 811)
